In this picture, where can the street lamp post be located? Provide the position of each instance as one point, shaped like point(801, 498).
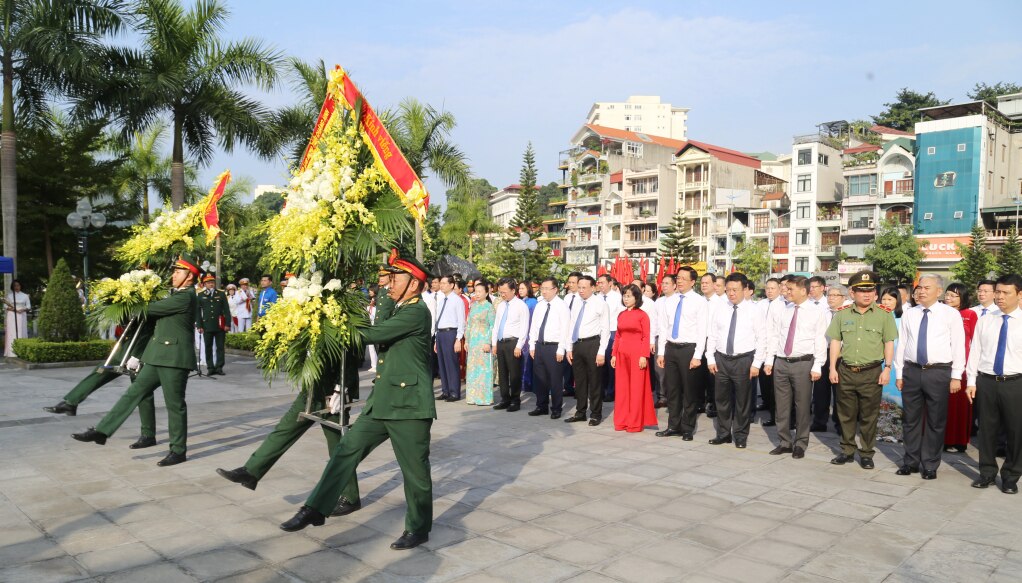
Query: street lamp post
point(523, 244)
point(82, 220)
point(1018, 202)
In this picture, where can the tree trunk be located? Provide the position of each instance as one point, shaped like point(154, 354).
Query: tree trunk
point(418, 241)
point(145, 200)
point(48, 245)
point(8, 168)
point(177, 167)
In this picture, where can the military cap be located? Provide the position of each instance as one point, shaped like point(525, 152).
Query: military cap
point(208, 277)
point(187, 261)
point(863, 280)
point(409, 265)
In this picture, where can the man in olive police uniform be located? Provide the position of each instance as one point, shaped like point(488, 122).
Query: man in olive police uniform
point(166, 361)
point(401, 408)
point(861, 350)
point(212, 318)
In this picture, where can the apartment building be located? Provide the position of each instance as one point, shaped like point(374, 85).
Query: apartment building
point(504, 204)
point(641, 114)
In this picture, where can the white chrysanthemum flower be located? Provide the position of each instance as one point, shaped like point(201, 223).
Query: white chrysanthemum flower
point(315, 290)
point(332, 285)
point(317, 278)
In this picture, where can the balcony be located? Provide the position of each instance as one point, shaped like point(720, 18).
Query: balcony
point(860, 227)
point(781, 250)
point(558, 201)
point(826, 249)
point(633, 242)
point(553, 219)
point(642, 216)
point(580, 242)
point(582, 221)
point(586, 200)
point(590, 178)
point(649, 195)
point(697, 184)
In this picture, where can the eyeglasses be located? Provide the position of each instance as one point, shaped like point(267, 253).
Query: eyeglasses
point(951, 295)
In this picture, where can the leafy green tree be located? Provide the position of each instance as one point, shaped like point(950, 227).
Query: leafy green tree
point(677, 240)
point(464, 221)
point(902, 113)
point(294, 123)
point(45, 46)
point(977, 262)
point(435, 245)
point(1009, 258)
point(145, 169)
point(187, 71)
point(61, 318)
point(752, 258)
point(895, 252)
point(989, 93)
point(527, 220)
point(548, 192)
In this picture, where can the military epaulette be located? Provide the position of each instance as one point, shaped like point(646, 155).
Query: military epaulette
point(414, 300)
point(844, 307)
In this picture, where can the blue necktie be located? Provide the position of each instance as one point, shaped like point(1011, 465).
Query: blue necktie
point(503, 320)
point(922, 357)
point(542, 325)
point(677, 318)
point(578, 323)
point(1002, 345)
point(984, 312)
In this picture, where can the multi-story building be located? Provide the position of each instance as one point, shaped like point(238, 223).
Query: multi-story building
point(641, 114)
point(968, 171)
point(817, 188)
point(504, 205)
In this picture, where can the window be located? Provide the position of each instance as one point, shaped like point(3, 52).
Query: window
point(638, 117)
point(646, 186)
point(927, 216)
point(945, 179)
point(805, 183)
point(627, 106)
point(633, 149)
point(990, 179)
point(802, 264)
point(823, 159)
point(628, 118)
point(760, 223)
point(931, 151)
point(961, 147)
point(802, 236)
point(1004, 151)
point(781, 243)
point(1002, 185)
point(862, 185)
point(805, 157)
point(781, 266)
point(959, 214)
point(802, 210)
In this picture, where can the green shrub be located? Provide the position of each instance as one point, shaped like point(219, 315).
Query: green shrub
point(242, 340)
point(37, 350)
point(61, 318)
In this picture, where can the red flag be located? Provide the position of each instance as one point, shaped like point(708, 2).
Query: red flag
point(660, 274)
point(210, 214)
point(672, 268)
point(644, 270)
point(601, 271)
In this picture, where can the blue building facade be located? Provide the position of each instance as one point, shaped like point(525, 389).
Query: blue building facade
point(947, 181)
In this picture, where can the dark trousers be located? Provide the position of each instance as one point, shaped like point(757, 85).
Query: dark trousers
point(95, 380)
point(1002, 415)
point(767, 392)
point(151, 377)
point(588, 390)
point(732, 396)
point(450, 373)
point(656, 380)
point(792, 384)
point(709, 382)
point(509, 369)
point(824, 399)
point(607, 371)
point(683, 388)
point(548, 378)
point(568, 378)
point(924, 396)
point(858, 408)
point(208, 338)
point(434, 362)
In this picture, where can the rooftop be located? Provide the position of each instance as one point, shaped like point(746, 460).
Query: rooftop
point(723, 154)
point(886, 130)
point(641, 138)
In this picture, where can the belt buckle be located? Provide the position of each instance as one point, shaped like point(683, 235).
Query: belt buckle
point(1000, 378)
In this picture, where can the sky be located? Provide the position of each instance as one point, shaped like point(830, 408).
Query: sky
point(753, 74)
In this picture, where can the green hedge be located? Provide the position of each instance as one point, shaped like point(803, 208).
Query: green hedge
point(242, 340)
point(36, 350)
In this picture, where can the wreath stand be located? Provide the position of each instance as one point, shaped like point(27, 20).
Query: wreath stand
point(321, 415)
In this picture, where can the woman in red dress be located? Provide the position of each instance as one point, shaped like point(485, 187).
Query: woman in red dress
point(959, 409)
point(633, 408)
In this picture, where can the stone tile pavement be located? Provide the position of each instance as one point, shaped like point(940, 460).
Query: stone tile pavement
point(517, 498)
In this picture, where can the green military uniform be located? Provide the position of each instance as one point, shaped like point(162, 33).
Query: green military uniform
point(99, 377)
point(167, 360)
point(862, 336)
point(211, 310)
point(384, 306)
point(401, 408)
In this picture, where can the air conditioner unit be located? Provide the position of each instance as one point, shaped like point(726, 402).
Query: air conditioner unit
point(927, 216)
point(908, 175)
point(869, 224)
point(872, 190)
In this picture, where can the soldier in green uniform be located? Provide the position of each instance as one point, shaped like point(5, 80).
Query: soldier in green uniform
point(101, 376)
point(401, 408)
point(861, 350)
point(212, 317)
point(166, 361)
point(384, 303)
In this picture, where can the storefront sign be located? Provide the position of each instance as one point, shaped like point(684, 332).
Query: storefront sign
point(942, 248)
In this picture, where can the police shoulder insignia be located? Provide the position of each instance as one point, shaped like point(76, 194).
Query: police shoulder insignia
point(884, 308)
point(845, 307)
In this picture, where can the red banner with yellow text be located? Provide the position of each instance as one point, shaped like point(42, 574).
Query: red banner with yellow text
point(211, 214)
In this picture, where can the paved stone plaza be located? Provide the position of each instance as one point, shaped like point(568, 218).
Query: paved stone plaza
point(518, 498)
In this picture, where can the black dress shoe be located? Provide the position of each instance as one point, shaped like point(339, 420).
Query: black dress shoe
point(538, 412)
point(779, 450)
point(305, 517)
point(501, 405)
point(63, 407)
point(720, 440)
point(866, 463)
point(768, 423)
point(929, 474)
point(661, 404)
point(739, 444)
point(172, 459)
point(798, 453)
point(686, 437)
point(440, 398)
point(344, 507)
point(240, 476)
point(817, 428)
point(452, 399)
point(143, 442)
point(513, 407)
point(90, 434)
point(711, 413)
point(842, 459)
point(575, 418)
point(984, 483)
point(594, 421)
point(762, 407)
point(667, 433)
point(906, 471)
point(409, 540)
point(1009, 488)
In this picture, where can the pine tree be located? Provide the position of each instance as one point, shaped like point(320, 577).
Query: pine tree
point(677, 241)
point(61, 318)
point(527, 220)
point(1009, 258)
point(977, 262)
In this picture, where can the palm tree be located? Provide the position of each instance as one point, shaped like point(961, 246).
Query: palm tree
point(465, 219)
point(294, 124)
point(45, 45)
point(145, 168)
point(423, 134)
point(186, 71)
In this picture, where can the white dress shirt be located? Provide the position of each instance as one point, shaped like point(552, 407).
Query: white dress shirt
point(810, 332)
point(695, 311)
point(945, 338)
point(750, 332)
point(649, 307)
point(984, 346)
point(517, 324)
point(451, 313)
point(769, 307)
point(990, 310)
point(557, 324)
point(613, 301)
point(595, 321)
point(570, 299)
